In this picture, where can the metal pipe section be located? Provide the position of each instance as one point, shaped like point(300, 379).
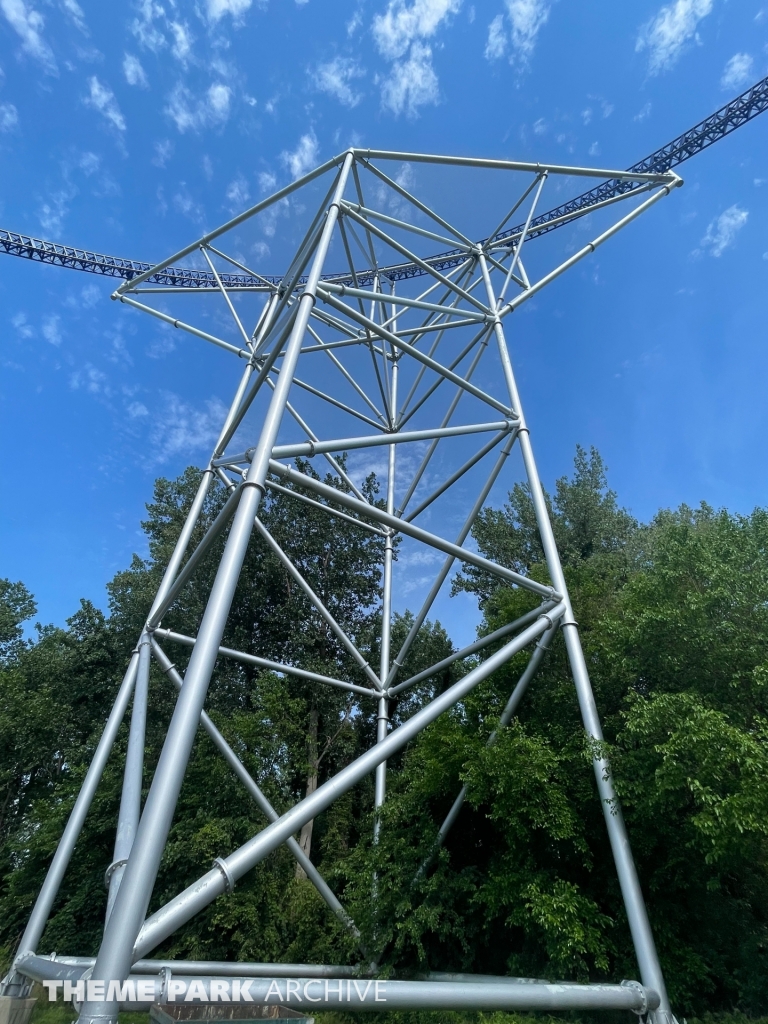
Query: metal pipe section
point(430, 363)
point(182, 543)
point(382, 710)
point(519, 246)
point(448, 563)
point(174, 322)
point(213, 532)
point(197, 896)
point(258, 796)
point(510, 165)
point(640, 928)
point(308, 449)
point(227, 299)
point(42, 908)
point(130, 908)
point(325, 508)
point(315, 600)
point(133, 778)
point(402, 300)
point(473, 648)
point(74, 966)
point(366, 211)
point(272, 666)
point(413, 258)
point(397, 187)
point(350, 994)
point(465, 468)
point(401, 526)
point(233, 223)
point(589, 248)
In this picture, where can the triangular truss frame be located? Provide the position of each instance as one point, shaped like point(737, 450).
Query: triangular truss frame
point(402, 339)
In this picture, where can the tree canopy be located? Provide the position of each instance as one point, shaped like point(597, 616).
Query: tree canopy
point(674, 621)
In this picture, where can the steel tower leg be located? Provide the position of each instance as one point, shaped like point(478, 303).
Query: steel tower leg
point(114, 959)
point(642, 936)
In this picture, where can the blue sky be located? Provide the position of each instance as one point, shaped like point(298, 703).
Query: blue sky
point(131, 129)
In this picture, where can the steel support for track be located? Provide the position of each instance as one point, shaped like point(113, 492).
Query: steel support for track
point(437, 358)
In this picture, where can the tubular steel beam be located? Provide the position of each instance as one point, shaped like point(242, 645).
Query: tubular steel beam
point(308, 449)
point(115, 955)
point(258, 797)
point(349, 994)
point(640, 928)
point(272, 666)
point(401, 526)
point(165, 921)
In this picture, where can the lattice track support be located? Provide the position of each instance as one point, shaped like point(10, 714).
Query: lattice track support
point(417, 370)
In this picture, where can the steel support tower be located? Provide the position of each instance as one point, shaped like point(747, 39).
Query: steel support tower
point(340, 362)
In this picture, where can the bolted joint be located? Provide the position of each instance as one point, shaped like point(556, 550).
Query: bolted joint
point(112, 869)
point(642, 992)
point(229, 879)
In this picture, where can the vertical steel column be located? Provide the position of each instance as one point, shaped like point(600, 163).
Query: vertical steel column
point(114, 959)
point(642, 936)
point(382, 712)
point(42, 908)
point(130, 800)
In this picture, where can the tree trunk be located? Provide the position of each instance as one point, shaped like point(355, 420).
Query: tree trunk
point(305, 839)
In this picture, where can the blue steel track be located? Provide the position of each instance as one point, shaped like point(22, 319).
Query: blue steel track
point(713, 128)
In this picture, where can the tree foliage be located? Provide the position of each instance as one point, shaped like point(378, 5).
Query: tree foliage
point(674, 622)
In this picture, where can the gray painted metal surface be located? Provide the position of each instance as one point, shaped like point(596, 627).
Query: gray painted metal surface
point(438, 358)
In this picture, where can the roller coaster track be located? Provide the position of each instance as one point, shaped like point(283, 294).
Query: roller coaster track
point(713, 128)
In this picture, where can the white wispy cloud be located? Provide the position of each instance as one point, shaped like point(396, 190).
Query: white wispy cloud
point(52, 210)
point(401, 25)
point(163, 152)
point(192, 114)
point(238, 194)
point(216, 9)
point(181, 430)
point(665, 35)
point(267, 181)
point(28, 25)
point(52, 330)
point(302, 159)
point(400, 34)
point(75, 12)
point(24, 328)
point(187, 206)
point(496, 45)
point(737, 71)
point(134, 72)
point(143, 26)
point(644, 112)
point(182, 41)
point(355, 22)
point(411, 83)
point(102, 99)
point(218, 98)
point(526, 19)
point(89, 296)
point(89, 379)
point(335, 78)
point(9, 117)
point(722, 231)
